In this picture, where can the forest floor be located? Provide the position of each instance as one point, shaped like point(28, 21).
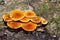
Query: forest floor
point(49, 9)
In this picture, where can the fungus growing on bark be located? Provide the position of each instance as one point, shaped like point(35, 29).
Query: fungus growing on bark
point(29, 26)
point(6, 17)
point(16, 14)
point(14, 25)
point(29, 13)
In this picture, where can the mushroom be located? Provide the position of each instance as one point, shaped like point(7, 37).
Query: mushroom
point(14, 25)
point(43, 21)
point(29, 26)
point(36, 19)
point(40, 30)
point(29, 13)
point(16, 15)
point(25, 19)
point(6, 17)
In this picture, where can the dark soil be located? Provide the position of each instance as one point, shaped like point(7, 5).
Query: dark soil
point(20, 34)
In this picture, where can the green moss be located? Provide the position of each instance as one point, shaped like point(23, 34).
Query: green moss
point(46, 8)
point(58, 21)
point(57, 8)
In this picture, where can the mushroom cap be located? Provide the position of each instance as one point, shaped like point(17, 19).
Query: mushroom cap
point(14, 25)
point(36, 19)
point(6, 17)
point(25, 19)
point(29, 26)
point(29, 13)
point(16, 14)
point(43, 21)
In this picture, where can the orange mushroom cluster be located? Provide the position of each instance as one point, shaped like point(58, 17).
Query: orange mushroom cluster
point(27, 20)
